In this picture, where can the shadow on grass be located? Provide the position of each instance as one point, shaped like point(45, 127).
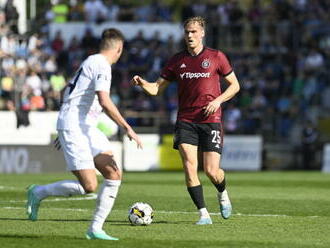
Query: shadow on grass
point(60, 220)
point(39, 237)
point(20, 236)
point(111, 222)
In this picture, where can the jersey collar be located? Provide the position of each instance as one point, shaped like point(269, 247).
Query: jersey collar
point(196, 54)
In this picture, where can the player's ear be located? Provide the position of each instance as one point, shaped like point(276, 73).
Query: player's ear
point(203, 33)
point(119, 48)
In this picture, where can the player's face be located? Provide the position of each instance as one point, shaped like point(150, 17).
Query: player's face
point(193, 35)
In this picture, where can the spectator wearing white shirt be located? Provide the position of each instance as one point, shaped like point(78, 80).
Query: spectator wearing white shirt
point(95, 11)
point(34, 82)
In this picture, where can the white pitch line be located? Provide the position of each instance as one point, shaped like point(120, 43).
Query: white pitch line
point(59, 209)
point(237, 214)
point(8, 187)
point(168, 212)
point(88, 197)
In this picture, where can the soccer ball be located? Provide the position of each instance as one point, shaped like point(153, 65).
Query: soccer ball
point(140, 214)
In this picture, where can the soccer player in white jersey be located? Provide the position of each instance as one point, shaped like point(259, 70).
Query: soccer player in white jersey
point(85, 147)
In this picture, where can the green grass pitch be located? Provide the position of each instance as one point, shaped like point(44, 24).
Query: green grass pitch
point(271, 209)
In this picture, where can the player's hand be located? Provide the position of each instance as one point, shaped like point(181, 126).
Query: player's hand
point(57, 144)
point(212, 107)
point(133, 136)
point(137, 80)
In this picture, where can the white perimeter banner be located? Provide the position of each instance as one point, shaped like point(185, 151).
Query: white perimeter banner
point(20, 159)
point(141, 159)
point(242, 153)
point(42, 125)
point(326, 158)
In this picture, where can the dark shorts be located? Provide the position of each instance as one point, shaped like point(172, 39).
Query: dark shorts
point(207, 136)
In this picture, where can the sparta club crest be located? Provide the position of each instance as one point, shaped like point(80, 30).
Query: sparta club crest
point(206, 63)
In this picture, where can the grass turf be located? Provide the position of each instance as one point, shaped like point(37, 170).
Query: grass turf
point(271, 209)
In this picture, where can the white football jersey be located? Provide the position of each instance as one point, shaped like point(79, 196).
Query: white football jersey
point(80, 103)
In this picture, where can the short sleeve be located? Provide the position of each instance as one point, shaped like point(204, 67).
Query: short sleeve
point(168, 71)
point(102, 78)
point(225, 67)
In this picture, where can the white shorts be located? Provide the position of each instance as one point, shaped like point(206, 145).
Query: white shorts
point(81, 146)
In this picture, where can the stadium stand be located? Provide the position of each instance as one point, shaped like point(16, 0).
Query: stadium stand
point(280, 50)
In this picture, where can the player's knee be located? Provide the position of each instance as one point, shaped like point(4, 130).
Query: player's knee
point(211, 173)
point(90, 187)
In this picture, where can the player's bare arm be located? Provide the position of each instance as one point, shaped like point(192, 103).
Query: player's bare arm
point(229, 93)
point(151, 88)
point(112, 111)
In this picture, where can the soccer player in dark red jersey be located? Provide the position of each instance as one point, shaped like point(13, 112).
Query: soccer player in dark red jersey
point(198, 71)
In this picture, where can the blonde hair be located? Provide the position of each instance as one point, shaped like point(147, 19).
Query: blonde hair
point(200, 20)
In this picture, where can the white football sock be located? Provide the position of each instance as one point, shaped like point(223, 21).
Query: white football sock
point(60, 188)
point(104, 203)
point(223, 197)
point(203, 213)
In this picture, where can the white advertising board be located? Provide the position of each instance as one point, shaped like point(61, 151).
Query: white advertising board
point(141, 159)
point(326, 158)
point(242, 153)
point(20, 159)
point(42, 125)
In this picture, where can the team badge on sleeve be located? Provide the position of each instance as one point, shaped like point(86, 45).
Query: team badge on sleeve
point(102, 76)
point(206, 63)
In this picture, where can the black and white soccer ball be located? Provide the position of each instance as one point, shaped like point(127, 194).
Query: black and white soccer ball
point(140, 214)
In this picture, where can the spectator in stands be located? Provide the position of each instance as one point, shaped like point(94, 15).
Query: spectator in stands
point(75, 55)
point(163, 12)
point(2, 19)
point(199, 8)
point(222, 14)
point(126, 13)
point(187, 10)
point(50, 65)
point(89, 43)
point(95, 11)
point(313, 61)
point(7, 87)
point(112, 11)
point(144, 13)
point(57, 82)
point(60, 12)
point(76, 12)
point(325, 99)
point(231, 119)
point(22, 99)
point(8, 44)
point(255, 17)
point(310, 138)
point(290, 65)
point(58, 42)
point(34, 82)
point(8, 64)
point(11, 16)
point(236, 15)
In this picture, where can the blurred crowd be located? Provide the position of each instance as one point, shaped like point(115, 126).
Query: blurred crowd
point(280, 50)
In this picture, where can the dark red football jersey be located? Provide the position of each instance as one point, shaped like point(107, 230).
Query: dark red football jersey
point(198, 79)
